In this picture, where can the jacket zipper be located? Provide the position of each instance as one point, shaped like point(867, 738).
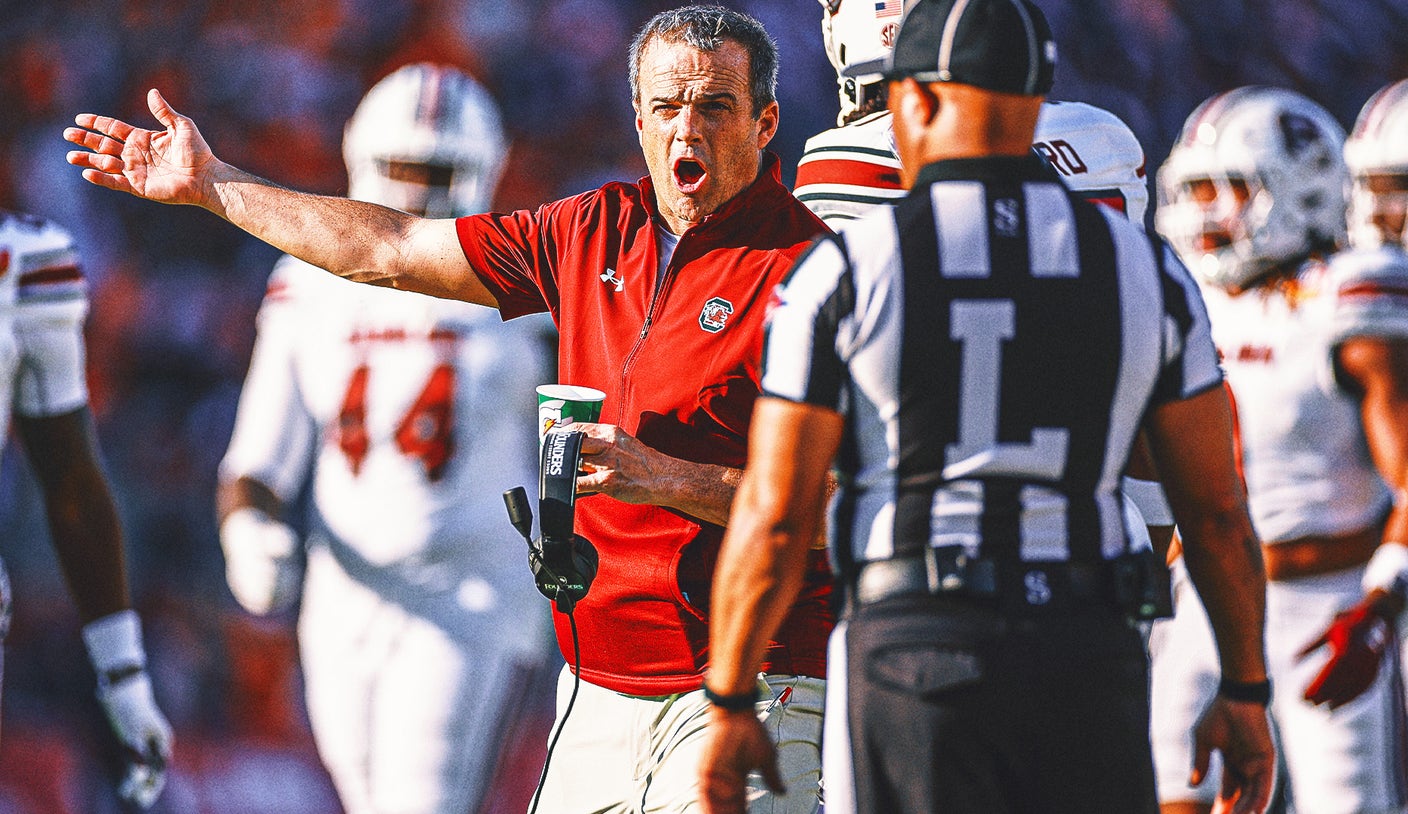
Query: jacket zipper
point(655, 297)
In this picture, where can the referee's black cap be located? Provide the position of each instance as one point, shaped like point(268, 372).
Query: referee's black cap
point(1001, 45)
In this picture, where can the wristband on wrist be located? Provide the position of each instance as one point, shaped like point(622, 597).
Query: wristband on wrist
point(733, 703)
point(114, 645)
point(1387, 569)
point(1250, 692)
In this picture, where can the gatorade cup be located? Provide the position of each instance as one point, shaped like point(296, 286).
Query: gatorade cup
point(560, 405)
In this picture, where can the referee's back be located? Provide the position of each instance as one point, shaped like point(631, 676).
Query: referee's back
point(998, 342)
point(975, 363)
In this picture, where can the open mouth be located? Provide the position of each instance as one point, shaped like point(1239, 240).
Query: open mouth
point(689, 175)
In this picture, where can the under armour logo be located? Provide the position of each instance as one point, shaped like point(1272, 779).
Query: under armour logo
point(609, 276)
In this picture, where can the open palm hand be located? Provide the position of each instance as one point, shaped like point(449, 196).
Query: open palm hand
point(169, 166)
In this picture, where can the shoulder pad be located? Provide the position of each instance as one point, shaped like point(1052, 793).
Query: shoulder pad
point(43, 259)
point(1371, 292)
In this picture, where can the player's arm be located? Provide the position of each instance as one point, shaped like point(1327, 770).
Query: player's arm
point(1380, 367)
point(357, 240)
point(1192, 441)
point(55, 428)
point(1370, 348)
point(1358, 637)
point(82, 518)
point(269, 456)
point(761, 566)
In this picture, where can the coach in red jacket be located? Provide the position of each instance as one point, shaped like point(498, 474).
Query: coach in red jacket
point(659, 290)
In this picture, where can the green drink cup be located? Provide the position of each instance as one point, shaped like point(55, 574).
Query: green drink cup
point(560, 405)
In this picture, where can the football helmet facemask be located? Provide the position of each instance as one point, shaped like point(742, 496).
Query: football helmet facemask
point(1096, 153)
point(427, 139)
point(1256, 180)
point(856, 31)
point(1377, 155)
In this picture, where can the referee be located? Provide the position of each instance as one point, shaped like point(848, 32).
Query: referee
point(977, 361)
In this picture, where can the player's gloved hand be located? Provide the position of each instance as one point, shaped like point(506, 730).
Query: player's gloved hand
point(1357, 638)
point(263, 561)
point(125, 690)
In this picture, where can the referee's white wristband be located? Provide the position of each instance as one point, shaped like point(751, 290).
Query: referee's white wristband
point(1148, 496)
point(114, 643)
point(1387, 569)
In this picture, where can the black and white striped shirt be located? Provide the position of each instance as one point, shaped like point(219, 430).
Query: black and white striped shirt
point(994, 343)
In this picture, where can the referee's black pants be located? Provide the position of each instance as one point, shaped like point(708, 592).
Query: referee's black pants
point(954, 708)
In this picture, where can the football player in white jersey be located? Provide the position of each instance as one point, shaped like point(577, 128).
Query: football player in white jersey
point(43, 302)
point(406, 417)
point(1377, 156)
point(1315, 349)
point(846, 171)
point(850, 169)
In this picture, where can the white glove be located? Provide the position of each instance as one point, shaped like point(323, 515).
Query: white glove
point(114, 645)
point(263, 561)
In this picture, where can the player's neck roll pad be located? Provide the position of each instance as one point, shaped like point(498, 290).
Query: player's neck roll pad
point(562, 561)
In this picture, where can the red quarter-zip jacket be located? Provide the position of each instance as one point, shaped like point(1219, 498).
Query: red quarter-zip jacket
point(678, 360)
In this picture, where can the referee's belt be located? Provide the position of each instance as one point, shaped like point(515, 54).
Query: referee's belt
point(1033, 586)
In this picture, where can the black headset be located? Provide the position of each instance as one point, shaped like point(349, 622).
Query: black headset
point(563, 562)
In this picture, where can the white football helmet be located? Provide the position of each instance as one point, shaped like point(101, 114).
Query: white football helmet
point(1274, 159)
point(1377, 155)
point(1096, 153)
point(856, 31)
point(427, 139)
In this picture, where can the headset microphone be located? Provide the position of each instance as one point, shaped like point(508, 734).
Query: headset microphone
point(520, 514)
point(563, 562)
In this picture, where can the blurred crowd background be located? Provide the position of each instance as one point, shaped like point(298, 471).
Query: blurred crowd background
point(174, 290)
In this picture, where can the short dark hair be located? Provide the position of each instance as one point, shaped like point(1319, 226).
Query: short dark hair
point(706, 28)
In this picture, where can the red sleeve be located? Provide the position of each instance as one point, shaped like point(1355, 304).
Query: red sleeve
point(514, 256)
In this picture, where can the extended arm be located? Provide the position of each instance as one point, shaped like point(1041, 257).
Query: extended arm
point(353, 239)
point(775, 519)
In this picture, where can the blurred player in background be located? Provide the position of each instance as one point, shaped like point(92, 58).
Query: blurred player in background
point(1252, 196)
point(1377, 156)
point(407, 417)
point(43, 302)
point(849, 170)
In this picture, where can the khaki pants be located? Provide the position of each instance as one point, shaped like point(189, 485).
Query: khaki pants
point(629, 754)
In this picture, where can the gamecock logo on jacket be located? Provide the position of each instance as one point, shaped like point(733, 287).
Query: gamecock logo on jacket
point(714, 317)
